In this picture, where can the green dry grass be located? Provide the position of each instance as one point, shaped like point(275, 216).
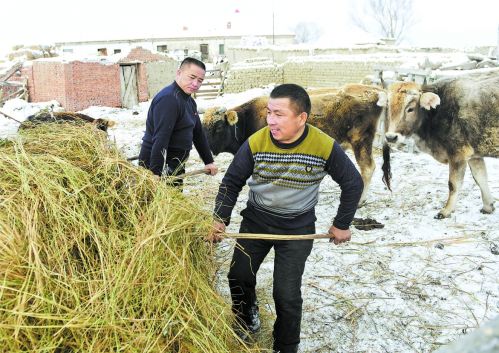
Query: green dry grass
point(96, 255)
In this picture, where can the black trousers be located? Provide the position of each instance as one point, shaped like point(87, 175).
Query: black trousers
point(289, 264)
point(175, 163)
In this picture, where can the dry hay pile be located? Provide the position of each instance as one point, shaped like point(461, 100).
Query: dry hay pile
point(97, 256)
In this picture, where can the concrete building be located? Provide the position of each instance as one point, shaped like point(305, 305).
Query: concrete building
point(206, 47)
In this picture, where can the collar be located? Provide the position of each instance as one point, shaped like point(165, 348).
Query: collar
point(292, 144)
point(185, 95)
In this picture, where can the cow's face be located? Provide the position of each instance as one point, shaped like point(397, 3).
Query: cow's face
point(221, 128)
point(104, 124)
point(405, 102)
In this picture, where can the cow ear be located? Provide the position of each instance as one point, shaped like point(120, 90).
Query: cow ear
point(429, 100)
point(105, 122)
point(231, 117)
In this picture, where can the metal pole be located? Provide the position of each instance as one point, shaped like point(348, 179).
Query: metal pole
point(273, 39)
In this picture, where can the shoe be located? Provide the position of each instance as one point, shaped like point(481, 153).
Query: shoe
point(248, 326)
point(253, 319)
point(243, 334)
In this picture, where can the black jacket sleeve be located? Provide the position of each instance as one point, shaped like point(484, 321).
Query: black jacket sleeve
point(165, 115)
point(343, 172)
point(235, 178)
point(201, 142)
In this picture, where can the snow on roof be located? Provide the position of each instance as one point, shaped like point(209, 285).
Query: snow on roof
point(105, 60)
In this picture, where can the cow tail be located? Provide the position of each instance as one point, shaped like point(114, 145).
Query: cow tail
point(387, 171)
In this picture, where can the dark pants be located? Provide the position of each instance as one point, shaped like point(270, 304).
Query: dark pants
point(289, 264)
point(175, 163)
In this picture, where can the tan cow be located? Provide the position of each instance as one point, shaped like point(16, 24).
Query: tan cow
point(456, 121)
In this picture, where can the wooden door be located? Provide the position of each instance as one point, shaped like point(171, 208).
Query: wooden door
point(129, 91)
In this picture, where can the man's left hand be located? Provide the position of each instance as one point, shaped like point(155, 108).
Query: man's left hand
point(211, 169)
point(339, 235)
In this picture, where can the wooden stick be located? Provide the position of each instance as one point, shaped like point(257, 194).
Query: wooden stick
point(9, 117)
point(191, 173)
point(276, 236)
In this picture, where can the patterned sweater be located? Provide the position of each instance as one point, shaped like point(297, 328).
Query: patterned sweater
point(284, 180)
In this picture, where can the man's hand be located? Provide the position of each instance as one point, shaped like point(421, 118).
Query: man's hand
point(339, 235)
point(211, 169)
point(216, 232)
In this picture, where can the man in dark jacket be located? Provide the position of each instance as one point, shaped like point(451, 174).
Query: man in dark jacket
point(284, 163)
point(173, 124)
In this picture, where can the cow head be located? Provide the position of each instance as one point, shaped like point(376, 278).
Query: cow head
point(406, 105)
point(104, 124)
point(221, 129)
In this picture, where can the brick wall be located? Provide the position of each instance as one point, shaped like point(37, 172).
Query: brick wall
point(142, 85)
point(144, 55)
point(92, 83)
point(48, 82)
point(77, 85)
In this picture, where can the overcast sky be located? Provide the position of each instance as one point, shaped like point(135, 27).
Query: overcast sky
point(447, 23)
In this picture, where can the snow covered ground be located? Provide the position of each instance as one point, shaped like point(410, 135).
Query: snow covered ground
point(412, 286)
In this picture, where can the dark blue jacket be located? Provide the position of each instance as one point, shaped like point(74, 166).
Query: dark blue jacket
point(172, 126)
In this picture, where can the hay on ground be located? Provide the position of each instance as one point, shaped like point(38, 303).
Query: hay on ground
point(97, 256)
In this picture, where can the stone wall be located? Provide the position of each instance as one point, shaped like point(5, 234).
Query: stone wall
point(159, 75)
point(335, 71)
point(251, 74)
point(325, 71)
point(280, 54)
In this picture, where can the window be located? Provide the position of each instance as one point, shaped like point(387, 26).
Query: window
point(117, 51)
point(162, 48)
point(221, 49)
point(102, 51)
point(68, 50)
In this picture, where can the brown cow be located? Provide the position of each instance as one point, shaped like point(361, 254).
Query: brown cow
point(61, 117)
point(455, 120)
point(350, 116)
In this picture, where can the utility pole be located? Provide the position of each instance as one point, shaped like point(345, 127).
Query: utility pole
point(273, 39)
point(497, 48)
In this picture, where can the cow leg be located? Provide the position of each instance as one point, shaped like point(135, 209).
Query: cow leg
point(456, 176)
point(363, 156)
point(479, 172)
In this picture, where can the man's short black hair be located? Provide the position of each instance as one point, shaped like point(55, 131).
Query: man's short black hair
point(296, 94)
point(189, 60)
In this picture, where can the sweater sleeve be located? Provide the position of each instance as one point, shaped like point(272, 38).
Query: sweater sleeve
point(235, 178)
point(343, 172)
point(201, 142)
point(165, 115)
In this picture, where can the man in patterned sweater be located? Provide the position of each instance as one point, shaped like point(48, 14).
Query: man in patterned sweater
point(284, 163)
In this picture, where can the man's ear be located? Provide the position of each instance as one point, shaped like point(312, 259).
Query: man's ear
point(303, 118)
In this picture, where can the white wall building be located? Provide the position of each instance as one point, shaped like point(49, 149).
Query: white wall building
point(206, 47)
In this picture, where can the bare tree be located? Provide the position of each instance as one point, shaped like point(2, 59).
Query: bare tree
point(307, 32)
point(389, 18)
